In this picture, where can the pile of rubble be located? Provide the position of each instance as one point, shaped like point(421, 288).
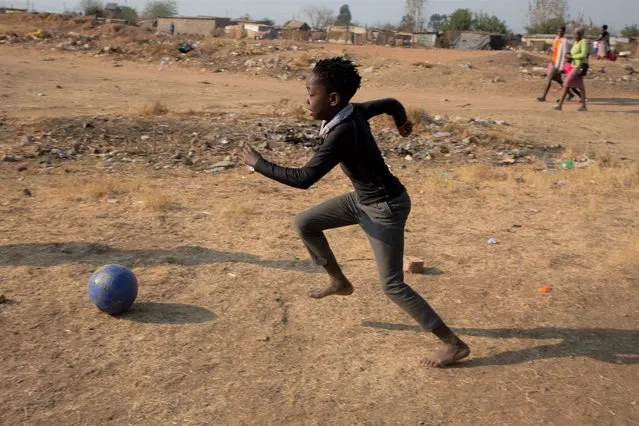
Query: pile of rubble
point(279, 59)
point(212, 142)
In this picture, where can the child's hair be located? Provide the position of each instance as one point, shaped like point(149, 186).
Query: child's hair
point(338, 75)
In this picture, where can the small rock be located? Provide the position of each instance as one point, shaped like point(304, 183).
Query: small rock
point(225, 164)
point(10, 158)
point(3, 299)
point(28, 139)
point(58, 87)
point(145, 137)
point(26, 192)
point(498, 80)
point(444, 150)
point(41, 94)
point(22, 168)
point(408, 158)
point(413, 265)
point(442, 134)
point(87, 125)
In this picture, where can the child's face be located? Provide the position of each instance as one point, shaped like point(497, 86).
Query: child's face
point(321, 104)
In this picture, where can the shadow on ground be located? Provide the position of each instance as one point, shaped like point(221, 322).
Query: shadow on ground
point(167, 313)
point(614, 346)
point(99, 254)
point(618, 102)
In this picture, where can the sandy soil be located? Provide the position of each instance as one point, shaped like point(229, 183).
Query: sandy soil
point(223, 332)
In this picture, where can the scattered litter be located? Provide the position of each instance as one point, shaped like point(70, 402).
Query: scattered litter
point(492, 241)
point(442, 134)
point(545, 289)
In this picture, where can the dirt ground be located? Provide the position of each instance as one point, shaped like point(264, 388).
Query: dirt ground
point(222, 331)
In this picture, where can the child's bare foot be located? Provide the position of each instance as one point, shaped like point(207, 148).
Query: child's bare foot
point(448, 354)
point(336, 287)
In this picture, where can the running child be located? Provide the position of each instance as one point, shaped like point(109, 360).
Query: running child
point(380, 204)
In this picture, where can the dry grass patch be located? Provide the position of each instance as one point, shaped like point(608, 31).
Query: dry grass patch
point(158, 201)
point(303, 60)
point(153, 109)
point(97, 188)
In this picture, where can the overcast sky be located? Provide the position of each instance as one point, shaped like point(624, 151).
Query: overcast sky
point(615, 13)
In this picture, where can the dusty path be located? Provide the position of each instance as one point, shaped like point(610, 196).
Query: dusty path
point(93, 86)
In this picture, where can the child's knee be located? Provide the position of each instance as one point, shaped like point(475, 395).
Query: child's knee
point(301, 224)
point(394, 287)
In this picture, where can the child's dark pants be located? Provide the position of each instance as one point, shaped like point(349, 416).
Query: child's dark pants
point(384, 225)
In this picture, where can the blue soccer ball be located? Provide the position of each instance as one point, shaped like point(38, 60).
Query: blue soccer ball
point(113, 289)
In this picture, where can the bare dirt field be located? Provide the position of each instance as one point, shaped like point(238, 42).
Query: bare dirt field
point(130, 157)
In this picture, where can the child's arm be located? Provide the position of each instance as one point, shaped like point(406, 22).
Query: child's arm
point(388, 106)
point(327, 157)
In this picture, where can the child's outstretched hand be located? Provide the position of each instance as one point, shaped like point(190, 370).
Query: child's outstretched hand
point(406, 129)
point(250, 156)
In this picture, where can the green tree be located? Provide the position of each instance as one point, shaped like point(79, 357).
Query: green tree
point(92, 7)
point(437, 22)
point(344, 17)
point(489, 24)
point(545, 16)
point(407, 24)
point(160, 8)
point(266, 21)
point(459, 20)
point(129, 14)
point(547, 27)
point(630, 31)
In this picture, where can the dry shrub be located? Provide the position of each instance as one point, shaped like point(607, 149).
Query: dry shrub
point(153, 109)
point(483, 173)
point(157, 201)
point(302, 60)
point(99, 187)
point(607, 159)
point(299, 113)
point(419, 117)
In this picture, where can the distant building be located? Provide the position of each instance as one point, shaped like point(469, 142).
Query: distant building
point(295, 30)
point(201, 25)
point(347, 34)
point(12, 10)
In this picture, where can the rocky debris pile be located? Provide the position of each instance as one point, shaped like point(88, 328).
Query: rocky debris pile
point(278, 59)
point(213, 142)
point(196, 143)
point(444, 138)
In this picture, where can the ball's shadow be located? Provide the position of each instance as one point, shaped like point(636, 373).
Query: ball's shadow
point(167, 313)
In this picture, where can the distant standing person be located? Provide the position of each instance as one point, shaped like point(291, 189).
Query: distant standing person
point(575, 80)
point(603, 45)
point(556, 65)
point(171, 28)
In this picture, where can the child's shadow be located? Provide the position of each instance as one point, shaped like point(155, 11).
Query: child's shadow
point(615, 346)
